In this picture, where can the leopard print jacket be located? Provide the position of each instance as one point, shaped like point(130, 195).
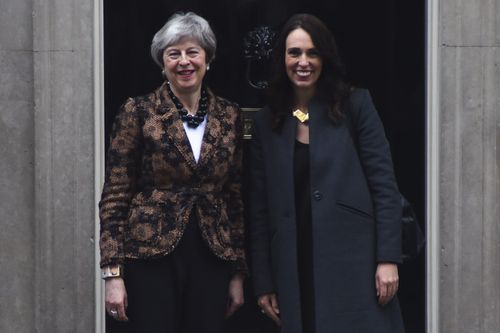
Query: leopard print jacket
point(153, 183)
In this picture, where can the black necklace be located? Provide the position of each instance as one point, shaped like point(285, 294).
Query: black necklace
point(192, 120)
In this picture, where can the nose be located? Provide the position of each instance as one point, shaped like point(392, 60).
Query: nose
point(303, 61)
point(184, 59)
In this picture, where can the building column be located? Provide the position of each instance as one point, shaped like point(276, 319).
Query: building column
point(469, 39)
point(64, 165)
point(17, 313)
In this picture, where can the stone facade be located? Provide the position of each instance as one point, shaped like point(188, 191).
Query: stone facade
point(47, 174)
point(469, 159)
point(17, 235)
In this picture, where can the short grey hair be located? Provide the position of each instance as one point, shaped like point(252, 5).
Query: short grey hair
point(180, 26)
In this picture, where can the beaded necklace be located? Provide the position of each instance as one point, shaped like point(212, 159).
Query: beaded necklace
point(192, 120)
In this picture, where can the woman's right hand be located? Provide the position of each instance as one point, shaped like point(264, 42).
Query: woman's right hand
point(116, 298)
point(268, 304)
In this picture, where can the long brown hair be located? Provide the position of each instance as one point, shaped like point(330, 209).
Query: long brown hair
point(331, 88)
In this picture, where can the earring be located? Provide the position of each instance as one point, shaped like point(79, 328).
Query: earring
point(163, 72)
point(208, 67)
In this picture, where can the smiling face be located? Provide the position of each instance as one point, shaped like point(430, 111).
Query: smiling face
point(185, 66)
point(302, 61)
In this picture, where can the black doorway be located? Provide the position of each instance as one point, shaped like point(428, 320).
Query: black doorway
point(383, 47)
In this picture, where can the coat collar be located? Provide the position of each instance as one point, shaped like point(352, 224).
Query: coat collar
point(321, 130)
point(174, 127)
point(289, 134)
point(326, 143)
point(323, 135)
point(212, 135)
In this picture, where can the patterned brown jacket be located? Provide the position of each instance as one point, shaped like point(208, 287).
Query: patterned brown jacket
point(153, 182)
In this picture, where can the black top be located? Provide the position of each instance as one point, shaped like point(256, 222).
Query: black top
point(304, 234)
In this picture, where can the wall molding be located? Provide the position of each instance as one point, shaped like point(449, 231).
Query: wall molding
point(433, 172)
point(100, 319)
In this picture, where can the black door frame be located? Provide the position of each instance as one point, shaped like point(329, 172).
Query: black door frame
point(432, 159)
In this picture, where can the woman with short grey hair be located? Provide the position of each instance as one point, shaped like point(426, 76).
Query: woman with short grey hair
point(184, 26)
point(171, 211)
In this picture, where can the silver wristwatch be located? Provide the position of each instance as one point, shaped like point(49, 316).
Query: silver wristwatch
point(112, 271)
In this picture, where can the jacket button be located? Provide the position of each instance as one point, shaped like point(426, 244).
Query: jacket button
point(317, 195)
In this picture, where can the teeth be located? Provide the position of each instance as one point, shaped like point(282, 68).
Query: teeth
point(302, 73)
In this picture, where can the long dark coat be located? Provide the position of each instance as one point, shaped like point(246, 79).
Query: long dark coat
point(356, 218)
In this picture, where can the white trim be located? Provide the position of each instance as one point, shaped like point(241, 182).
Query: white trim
point(432, 175)
point(100, 323)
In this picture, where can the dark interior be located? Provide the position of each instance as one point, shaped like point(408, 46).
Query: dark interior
point(382, 44)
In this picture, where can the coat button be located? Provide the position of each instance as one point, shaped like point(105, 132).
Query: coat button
point(317, 195)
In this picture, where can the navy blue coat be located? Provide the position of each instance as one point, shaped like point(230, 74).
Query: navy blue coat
point(356, 218)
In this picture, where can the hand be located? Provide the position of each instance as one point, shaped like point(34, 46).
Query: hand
point(386, 281)
point(236, 298)
point(269, 306)
point(116, 298)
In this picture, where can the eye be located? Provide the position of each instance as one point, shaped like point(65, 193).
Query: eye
point(313, 53)
point(294, 52)
point(173, 55)
point(193, 53)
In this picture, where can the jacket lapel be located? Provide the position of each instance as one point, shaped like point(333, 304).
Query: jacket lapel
point(283, 149)
point(289, 133)
point(211, 137)
point(326, 143)
point(174, 127)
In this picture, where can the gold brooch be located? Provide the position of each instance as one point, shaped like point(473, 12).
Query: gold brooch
point(301, 116)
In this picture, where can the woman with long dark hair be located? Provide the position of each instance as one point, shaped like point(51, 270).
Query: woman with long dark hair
point(325, 207)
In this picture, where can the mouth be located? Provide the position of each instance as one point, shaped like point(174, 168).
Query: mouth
point(303, 74)
point(186, 72)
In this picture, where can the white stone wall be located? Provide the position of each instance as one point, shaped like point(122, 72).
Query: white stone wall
point(17, 241)
point(469, 160)
point(47, 166)
point(47, 169)
point(64, 165)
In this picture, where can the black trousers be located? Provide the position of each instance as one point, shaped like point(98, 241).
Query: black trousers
point(184, 292)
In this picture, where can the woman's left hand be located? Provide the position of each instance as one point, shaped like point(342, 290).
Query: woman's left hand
point(236, 298)
point(386, 281)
